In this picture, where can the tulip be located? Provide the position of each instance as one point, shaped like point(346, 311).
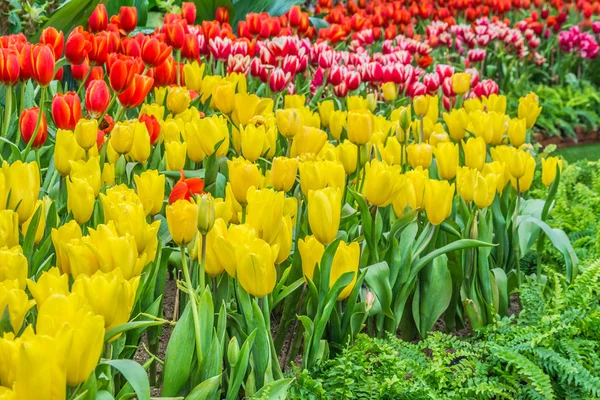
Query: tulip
point(438, 200)
point(193, 74)
point(70, 319)
point(77, 46)
point(9, 67)
point(461, 83)
point(98, 20)
point(419, 154)
point(346, 259)
point(309, 140)
point(66, 110)
point(209, 131)
point(140, 149)
point(316, 175)
point(182, 217)
point(226, 245)
point(326, 109)
point(253, 142)
point(265, 213)
point(311, 252)
point(294, 101)
point(44, 205)
point(517, 131)
point(186, 188)
point(116, 252)
point(206, 213)
point(223, 95)
point(337, 122)
point(66, 149)
point(121, 137)
point(86, 132)
point(549, 169)
point(383, 183)
point(500, 169)
point(16, 300)
point(152, 126)
point(324, 206)
point(23, 182)
point(155, 52)
point(137, 91)
point(457, 122)
point(446, 157)
point(83, 259)
point(178, 99)
point(60, 237)
point(27, 125)
point(188, 11)
point(389, 91)
point(108, 174)
point(42, 64)
point(246, 106)
point(49, 283)
point(283, 173)
point(109, 295)
point(14, 266)
point(9, 228)
point(128, 18)
point(485, 190)
point(521, 167)
point(495, 102)
point(466, 181)
point(347, 155)
point(529, 109)
point(176, 155)
point(289, 122)
point(212, 265)
point(242, 175)
point(475, 153)
point(81, 200)
point(122, 71)
point(255, 267)
point(421, 105)
point(89, 171)
point(150, 187)
point(360, 127)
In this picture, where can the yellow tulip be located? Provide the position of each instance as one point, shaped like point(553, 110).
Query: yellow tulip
point(495, 103)
point(289, 122)
point(9, 228)
point(70, 319)
point(16, 300)
point(140, 149)
point(178, 99)
point(326, 109)
point(50, 282)
point(121, 137)
point(475, 152)
point(80, 200)
point(206, 213)
point(438, 200)
point(346, 259)
point(212, 130)
point(226, 245)
point(347, 156)
point(316, 175)
point(253, 142)
point(389, 91)
point(517, 131)
point(421, 105)
point(13, 266)
point(22, 180)
point(436, 138)
point(82, 257)
point(208, 85)
point(360, 126)
point(311, 252)
point(88, 171)
point(485, 190)
point(242, 175)
point(182, 218)
point(9, 360)
point(419, 154)
point(529, 109)
point(109, 294)
point(114, 251)
point(446, 157)
point(461, 83)
point(160, 94)
point(356, 103)
point(328, 152)
point(466, 181)
point(285, 239)
point(324, 210)
point(154, 109)
point(390, 153)
point(517, 163)
point(170, 131)
point(256, 267)
point(244, 108)
point(498, 168)
point(308, 141)
point(337, 123)
point(66, 149)
point(223, 94)
point(457, 122)
point(294, 101)
point(40, 368)
point(549, 169)
point(473, 105)
point(108, 174)
point(193, 73)
point(60, 237)
point(41, 225)
point(382, 183)
point(150, 187)
point(498, 127)
point(407, 196)
point(522, 163)
point(86, 132)
point(283, 173)
point(212, 265)
point(265, 213)
point(176, 154)
point(427, 129)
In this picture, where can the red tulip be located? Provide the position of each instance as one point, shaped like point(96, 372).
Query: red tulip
point(131, 47)
point(152, 125)
point(191, 48)
point(188, 12)
point(165, 74)
point(295, 16)
point(113, 42)
point(154, 52)
point(9, 66)
point(175, 34)
point(137, 92)
point(54, 39)
point(121, 70)
point(254, 23)
point(222, 14)
point(25, 72)
point(97, 97)
point(99, 50)
point(128, 18)
point(42, 64)
point(98, 21)
point(27, 123)
point(66, 110)
point(186, 188)
point(79, 72)
point(278, 80)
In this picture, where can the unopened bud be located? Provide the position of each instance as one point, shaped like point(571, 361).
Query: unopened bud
point(206, 213)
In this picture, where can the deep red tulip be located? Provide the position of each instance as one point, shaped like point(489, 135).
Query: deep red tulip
point(152, 125)
point(186, 188)
point(27, 123)
point(42, 64)
point(121, 70)
point(137, 92)
point(128, 17)
point(222, 14)
point(97, 97)
point(154, 52)
point(131, 47)
point(9, 66)
point(295, 16)
point(77, 46)
point(188, 12)
point(54, 39)
point(254, 23)
point(191, 48)
point(113, 42)
point(66, 110)
point(175, 34)
point(99, 50)
point(98, 20)
point(79, 72)
point(165, 74)
point(25, 72)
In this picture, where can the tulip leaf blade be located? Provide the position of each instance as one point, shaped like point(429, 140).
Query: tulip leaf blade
point(135, 375)
point(240, 367)
point(276, 390)
point(5, 324)
point(179, 355)
point(129, 326)
point(15, 152)
point(205, 389)
point(378, 279)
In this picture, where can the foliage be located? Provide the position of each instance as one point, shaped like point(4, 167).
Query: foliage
point(550, 351)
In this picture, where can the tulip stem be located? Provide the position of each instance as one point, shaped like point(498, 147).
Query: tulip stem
point(244, 214)
point(178, 55)
point(421, 135)
point(357, 167)
point(87, 75)
point(112, 102)
point(515, 237)
point(192, 294)
point(202, 261)
point(22, 98)
point(37, 124)
point(7, 114)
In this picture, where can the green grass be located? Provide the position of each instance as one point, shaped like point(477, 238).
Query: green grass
point(590, 152)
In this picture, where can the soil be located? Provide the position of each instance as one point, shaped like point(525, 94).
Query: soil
point(582, 137)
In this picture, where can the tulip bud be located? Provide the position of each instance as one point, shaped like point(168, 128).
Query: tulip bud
point(421, 105)
point(223, 94)
point(289, 122)
point(27, 125)
point(389, 91)
point(206, 213)
point(128, 18)
point(549, 169)
point(97, 97)
point(233, 351)
point(360, 126)
point(188, 11)
point(176, 155)
point(98, 20)
point(66, 110)
point(80, 200)
point(324, 207)
point(121, 137)
point(517, 131)
point(461, 83)
point(86, 132)
point(283, 173)
point(438, 200)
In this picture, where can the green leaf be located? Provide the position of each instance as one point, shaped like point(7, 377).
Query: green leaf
point(378, 279)
point(69, 15)
point(205, 389)
point(276, 390)
point(239, 369)
point(129, 326)
point(433, 294)
point(318, 23)
point(135, 375)
point(206, 9)
point(179, 355)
